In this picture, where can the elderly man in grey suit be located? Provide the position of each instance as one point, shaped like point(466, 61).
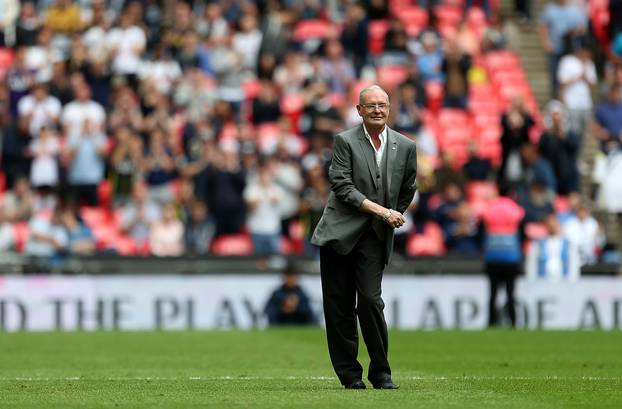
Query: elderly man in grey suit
point(372, 178)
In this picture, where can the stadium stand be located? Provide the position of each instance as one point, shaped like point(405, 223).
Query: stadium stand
point(195, 98)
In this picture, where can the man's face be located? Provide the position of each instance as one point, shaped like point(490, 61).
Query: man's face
point(374, 108)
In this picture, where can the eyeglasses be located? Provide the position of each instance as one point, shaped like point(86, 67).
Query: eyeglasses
point(372, 107)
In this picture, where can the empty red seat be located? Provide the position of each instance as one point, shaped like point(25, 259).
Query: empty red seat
point(292, 103)
point(450, 117)
point(481, 190)
point(491, 151)
point(377, 30)
point(476, 18)
point(535, 230)
point(390, 76)
point(448, 15)
point(21, 234)
point(312, 29)
point(456, 135)
point(267, 133)
point(396, 6)
point(251, 89)
point(414, 19)
point(434, 95)
point(427, 243)
point(105, 193)
point(561, 204)
point(125, 246)
point(233, 245)
point(500, 60)
point(6, 59)
point(94, 216)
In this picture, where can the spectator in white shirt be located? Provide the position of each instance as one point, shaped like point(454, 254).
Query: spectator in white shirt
point(39, 109)
point(585, 232)
point(162, 70)
point(248, 40)
point(262, 197)
point(126, 44)
point(95, 38)
point(41, 56)
point(45, 151)
point(82, 109)
point(553, 258)
point(576, 75)
point(166, 237)
point(48, 237)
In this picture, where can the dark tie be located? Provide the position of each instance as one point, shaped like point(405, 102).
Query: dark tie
point(376, 141)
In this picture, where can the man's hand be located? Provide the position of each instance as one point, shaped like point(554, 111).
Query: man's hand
point(392, 217)
point(396, 219)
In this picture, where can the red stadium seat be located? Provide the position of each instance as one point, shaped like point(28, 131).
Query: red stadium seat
point(453, 117)
point(312, 29)
point(21, 234)
point(427, 243)
point(476, 18)
point(377, 30)
point(535, 231)
point(448, 15)
point(397, 6)
point(561, 204)
point(389, 76)
point(481, 191)
point(266, 134)
point(414, 19)
point(94, 216)
point(292, 103)
point(125, 246)
point(233, 245)
point(434, 95)
point(456, 135)
point(6, 59)
point(251, 89)
point(500, 60)
point(105, 193)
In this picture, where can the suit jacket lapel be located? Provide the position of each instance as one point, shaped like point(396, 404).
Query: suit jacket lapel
point(391, 155)
point(369, 156)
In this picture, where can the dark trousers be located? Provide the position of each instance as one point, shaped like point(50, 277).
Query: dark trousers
point(498, 274)
point(351, 287)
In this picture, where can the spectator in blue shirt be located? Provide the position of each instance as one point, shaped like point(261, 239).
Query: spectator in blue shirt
point(87, 151)
point(80, 239)
point(430, 62)
point(608, 124)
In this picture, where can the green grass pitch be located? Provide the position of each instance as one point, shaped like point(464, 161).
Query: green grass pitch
point(289, 368)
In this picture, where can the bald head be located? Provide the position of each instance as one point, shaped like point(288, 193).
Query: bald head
point(366, 90)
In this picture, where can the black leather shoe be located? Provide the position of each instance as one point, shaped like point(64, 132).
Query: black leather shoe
point(388, 384)
point(355, 385)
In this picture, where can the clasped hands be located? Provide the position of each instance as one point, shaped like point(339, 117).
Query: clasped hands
point(394, 218)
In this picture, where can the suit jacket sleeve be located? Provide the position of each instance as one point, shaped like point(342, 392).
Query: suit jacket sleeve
point(409, 182)
point(340, 174)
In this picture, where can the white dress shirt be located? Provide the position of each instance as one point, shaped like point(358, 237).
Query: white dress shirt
point(383, 142)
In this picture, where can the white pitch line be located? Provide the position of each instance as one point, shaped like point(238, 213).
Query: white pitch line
point(313, 378)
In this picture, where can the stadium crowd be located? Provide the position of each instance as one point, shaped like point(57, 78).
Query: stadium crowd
point(188, 128)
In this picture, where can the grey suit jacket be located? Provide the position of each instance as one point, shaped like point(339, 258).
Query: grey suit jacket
point(352, 180)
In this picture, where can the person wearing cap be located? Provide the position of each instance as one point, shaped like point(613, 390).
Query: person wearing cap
point(372, 177)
